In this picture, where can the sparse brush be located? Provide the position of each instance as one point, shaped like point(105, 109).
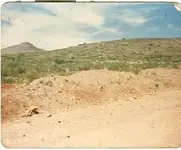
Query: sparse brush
point(114, 55)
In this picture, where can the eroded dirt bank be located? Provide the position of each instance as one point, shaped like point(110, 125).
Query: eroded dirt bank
point(96, 109)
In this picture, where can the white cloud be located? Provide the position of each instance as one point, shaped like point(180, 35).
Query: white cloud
point(54, 32)
point(135, 20)
point(174, 27)
point(133, 17)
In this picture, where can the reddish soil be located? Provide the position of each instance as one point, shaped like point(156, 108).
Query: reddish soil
point(8, 86)
point(11, 109)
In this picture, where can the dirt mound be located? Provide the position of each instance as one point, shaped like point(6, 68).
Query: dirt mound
point(87, 88)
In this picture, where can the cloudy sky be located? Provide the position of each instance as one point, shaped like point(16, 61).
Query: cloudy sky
point(53, 26)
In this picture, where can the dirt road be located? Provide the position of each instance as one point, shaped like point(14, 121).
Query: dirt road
point(152, 121)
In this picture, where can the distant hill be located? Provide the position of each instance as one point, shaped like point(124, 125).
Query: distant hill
point(20, 48)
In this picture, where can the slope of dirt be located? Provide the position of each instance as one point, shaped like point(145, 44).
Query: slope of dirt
point(87, 87)
point(96, 108)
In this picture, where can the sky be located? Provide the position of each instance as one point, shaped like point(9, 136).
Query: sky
point(59, 25)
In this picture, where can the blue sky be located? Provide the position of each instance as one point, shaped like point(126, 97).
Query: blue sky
point(54, 26)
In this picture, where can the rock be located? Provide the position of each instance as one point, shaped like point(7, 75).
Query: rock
point(48, 115)
point(68, 136)
point(59, 121)
point(31, 111)
point(101, 88)
point(28, 121)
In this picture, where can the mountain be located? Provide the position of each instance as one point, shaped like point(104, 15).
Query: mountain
point(20, 48)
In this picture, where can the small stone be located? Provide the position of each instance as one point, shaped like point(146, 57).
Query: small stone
point(60, 91)
point(68, 136)
point(49, 115)
point(101, 88)
point(24, 135)
point(28, 122)
point(59, 121)
point(106, 99)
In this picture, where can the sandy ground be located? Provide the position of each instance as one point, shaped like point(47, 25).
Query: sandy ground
point(96, 109)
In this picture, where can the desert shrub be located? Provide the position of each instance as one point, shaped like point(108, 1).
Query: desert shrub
point(55, 68)
point(113, 66)
point(14, 72)
point(8, 80)
point(59, 61)
point(175, 66)
point(136, 71)
point(6, 72)
point(12, 64)
point(84, 67)
point(98, 66)
point(32, 76)
point(21, 70)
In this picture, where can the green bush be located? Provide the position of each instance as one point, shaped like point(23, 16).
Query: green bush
point(8, 80)
point(32, 76)
point(6, 72)
point(59, 61)
point(21, 70)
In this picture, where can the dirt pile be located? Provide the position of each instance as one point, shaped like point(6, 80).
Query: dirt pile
point(85, 88)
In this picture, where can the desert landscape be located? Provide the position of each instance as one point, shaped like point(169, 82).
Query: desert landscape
point(122, 93)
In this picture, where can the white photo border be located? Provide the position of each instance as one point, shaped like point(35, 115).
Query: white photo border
point(178, 7)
